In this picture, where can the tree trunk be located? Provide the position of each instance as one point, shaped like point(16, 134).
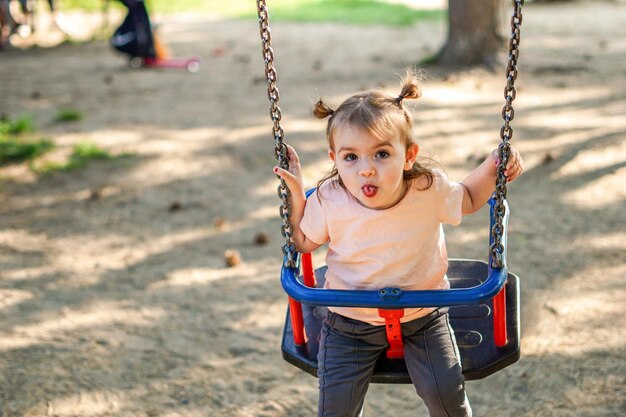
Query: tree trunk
point(474, 34)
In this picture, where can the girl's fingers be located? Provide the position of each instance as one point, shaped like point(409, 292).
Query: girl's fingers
point(294, 161)
point(294, 183)
point(515, 167)
point(284, 174)
point(293, 156)
point(515, 161)
point(514, 172)
point(292, 174)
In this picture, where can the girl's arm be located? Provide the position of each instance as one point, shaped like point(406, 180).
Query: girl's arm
point(481, 182)
point(297, 200)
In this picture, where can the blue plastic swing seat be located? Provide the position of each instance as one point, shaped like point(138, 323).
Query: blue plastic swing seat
point(472, 324)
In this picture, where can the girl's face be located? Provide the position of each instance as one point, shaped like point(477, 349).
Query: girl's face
point(372, 169)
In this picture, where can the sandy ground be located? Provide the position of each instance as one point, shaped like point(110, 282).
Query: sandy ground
point(114, 296)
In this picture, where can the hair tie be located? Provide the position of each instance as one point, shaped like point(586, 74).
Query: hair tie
point(399, 99)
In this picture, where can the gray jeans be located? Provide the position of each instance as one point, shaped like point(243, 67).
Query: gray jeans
point(349, 350)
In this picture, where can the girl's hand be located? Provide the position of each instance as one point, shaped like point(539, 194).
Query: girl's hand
point(515, 165)
point(292, 176)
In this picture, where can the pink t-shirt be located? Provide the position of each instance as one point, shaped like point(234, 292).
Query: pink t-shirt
point(400, 247)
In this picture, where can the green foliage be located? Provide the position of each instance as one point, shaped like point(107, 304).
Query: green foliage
point(364, 12)
point(82, 153)
point(164, 6)
point(341, 11)
point(92, 5)
point(14, 150)
point(86, 150)
point(23, 124)
point(15, 145)
point(68, 115)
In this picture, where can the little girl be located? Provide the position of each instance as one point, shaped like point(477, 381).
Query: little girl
point(381, 213)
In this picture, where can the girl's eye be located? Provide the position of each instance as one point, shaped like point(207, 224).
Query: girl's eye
point(350, 157)
point(382, 154)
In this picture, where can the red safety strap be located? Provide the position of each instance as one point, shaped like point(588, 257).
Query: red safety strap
point(394, 332)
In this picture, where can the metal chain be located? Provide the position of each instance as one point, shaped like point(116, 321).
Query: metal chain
point(506, 133)
point(280, 149)
point(504, 149)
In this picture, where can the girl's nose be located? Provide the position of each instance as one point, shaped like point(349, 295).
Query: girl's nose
point(367, 170)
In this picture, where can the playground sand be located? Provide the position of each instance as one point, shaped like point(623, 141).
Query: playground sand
point(115, 295)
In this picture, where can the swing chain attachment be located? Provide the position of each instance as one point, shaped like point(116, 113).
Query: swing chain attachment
point(506, 133)
point(280, 149)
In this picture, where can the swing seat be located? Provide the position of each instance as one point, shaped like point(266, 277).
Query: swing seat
point(472, 324)
point(483, 303)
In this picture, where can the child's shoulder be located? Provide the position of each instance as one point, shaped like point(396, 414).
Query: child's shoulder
point(332, 191)
point(431, 181)
point(330, 188)
point(439, 174)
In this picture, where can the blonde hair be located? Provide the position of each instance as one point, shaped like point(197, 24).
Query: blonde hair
point(382, 115)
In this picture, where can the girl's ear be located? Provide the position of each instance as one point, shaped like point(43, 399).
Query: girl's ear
point(411, 156)
point(331, 155)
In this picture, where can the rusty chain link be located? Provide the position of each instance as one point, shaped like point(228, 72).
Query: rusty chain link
point(506, 133)
point(280, 149)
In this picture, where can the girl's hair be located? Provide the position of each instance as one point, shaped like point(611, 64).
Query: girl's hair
point(382, 115)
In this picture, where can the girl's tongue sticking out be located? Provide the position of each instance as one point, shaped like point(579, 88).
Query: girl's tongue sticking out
point(369, 190)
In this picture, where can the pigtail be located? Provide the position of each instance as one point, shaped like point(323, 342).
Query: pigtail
point(321, 110)
point(410, 87)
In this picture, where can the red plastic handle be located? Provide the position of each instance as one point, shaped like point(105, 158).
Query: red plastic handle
point(295, 307)
point(499, 318)
point(297, 322)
